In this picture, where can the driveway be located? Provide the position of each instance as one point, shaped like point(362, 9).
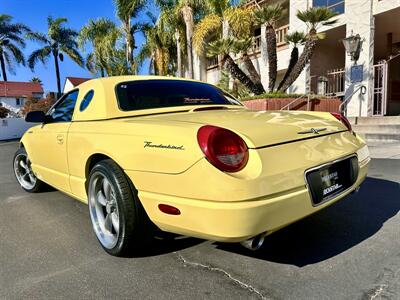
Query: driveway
point(350, 250)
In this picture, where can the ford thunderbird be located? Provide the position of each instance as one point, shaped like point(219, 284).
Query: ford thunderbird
point(180, 156)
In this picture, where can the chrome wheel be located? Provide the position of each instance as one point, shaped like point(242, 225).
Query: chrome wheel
point(104, 210)
point(23, 171)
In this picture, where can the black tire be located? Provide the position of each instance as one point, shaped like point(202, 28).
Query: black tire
point(135, 228)
point(38, 185)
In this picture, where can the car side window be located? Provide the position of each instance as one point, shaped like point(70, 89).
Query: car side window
point(63, 111)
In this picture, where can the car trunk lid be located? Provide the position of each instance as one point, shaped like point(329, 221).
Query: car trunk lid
point(262, 128)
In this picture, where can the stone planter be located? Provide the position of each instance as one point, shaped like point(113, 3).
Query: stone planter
point(328, 105)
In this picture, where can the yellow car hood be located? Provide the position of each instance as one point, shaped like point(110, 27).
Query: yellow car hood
point(262, 128)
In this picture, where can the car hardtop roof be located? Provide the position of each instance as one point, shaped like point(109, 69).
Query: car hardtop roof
point(119, 79)
point(104, 104)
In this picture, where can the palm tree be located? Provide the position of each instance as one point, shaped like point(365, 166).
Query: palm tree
point(36, 79)
point(171, 21)
point(313, 17)
point(126, 11)
point(240, 20)
point(102, 35)
point(11, 44)
point(295, 38)
point(270, 15)
point(159, 47)
point(58, 41)
point(243, 47)
point(184, 12)
point(224, 47)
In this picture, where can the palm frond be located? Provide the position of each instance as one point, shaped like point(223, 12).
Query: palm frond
point(220, 47)
point(295, 38)
point(315, 16)
point(16, 53)
point(269, 15)
point(240, 20)
point(39, 55)
point(10, 63)
point(37, 37)
point(211, 24)
point(17, 39)
point(4, 18)
point(73, 54)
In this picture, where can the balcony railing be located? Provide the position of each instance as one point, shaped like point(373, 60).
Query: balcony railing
point(257, 44)
point(280, 38)
point(212, 62)
point(336, 79)
point(281, 32)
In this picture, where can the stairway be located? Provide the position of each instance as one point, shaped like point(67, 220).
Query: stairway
point(377, 129)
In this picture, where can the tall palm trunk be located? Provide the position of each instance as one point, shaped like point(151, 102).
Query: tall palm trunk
point(178, 53)
point(3, 65)
point(187, 14)
point(304, 59)
point(294, 57)
point(130, 45)
point(254, 76)
point(238, 74)
point(55, 54)
point(272, 57)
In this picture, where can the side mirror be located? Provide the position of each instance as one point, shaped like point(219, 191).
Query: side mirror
point(35, 117)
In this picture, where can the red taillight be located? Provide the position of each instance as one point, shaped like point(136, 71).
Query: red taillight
point(344, 120)
point(223, 148)
point(168, 209)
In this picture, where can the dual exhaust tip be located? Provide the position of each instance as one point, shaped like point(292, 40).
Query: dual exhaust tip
point(254, 243)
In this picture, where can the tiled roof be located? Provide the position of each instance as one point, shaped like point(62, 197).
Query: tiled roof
point(19, 89)
point(77, 80)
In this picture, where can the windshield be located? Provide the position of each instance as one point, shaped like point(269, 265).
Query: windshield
point(146, 94)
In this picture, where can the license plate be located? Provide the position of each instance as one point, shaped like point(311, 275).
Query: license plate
point(330, 180)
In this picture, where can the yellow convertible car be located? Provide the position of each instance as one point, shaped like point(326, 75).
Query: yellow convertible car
point(182, 156)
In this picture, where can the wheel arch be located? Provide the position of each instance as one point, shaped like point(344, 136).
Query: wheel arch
point(92, 161)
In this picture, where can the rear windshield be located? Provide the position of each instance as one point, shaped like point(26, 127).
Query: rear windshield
point(145, 94)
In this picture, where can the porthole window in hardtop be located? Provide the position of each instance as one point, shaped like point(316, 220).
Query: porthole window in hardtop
point(147, 94)
point(86, 100)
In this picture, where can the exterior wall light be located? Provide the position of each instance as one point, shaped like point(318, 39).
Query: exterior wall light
point(353, 45)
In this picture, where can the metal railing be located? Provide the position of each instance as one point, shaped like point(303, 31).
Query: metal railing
point(336, 82)
point(343, 105)
point(287, 106)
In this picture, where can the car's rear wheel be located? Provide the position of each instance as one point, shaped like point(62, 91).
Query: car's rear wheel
point(118, 218)
point(24, 174)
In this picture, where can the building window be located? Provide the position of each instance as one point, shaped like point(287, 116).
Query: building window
point(336, 5)
point(19, 101)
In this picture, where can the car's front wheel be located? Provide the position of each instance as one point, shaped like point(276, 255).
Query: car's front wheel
point(24, 174)
point(118, 218)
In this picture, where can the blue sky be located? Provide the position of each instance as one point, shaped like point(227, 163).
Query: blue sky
point(34, 13)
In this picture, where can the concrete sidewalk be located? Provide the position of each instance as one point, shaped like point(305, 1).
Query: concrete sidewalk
point(384, 150)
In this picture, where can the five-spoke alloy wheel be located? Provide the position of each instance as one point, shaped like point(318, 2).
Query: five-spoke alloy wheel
point(104, 210)
point(119, 221)
point(24, 174)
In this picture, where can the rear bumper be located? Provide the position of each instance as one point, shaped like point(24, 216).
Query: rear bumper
point(239, 220)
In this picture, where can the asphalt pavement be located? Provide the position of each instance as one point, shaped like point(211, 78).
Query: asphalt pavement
point(350, 250)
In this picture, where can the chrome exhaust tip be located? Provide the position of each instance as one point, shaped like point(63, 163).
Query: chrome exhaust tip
point(254, 243)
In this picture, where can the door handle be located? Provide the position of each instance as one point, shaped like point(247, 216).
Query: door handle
point(60, 139)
